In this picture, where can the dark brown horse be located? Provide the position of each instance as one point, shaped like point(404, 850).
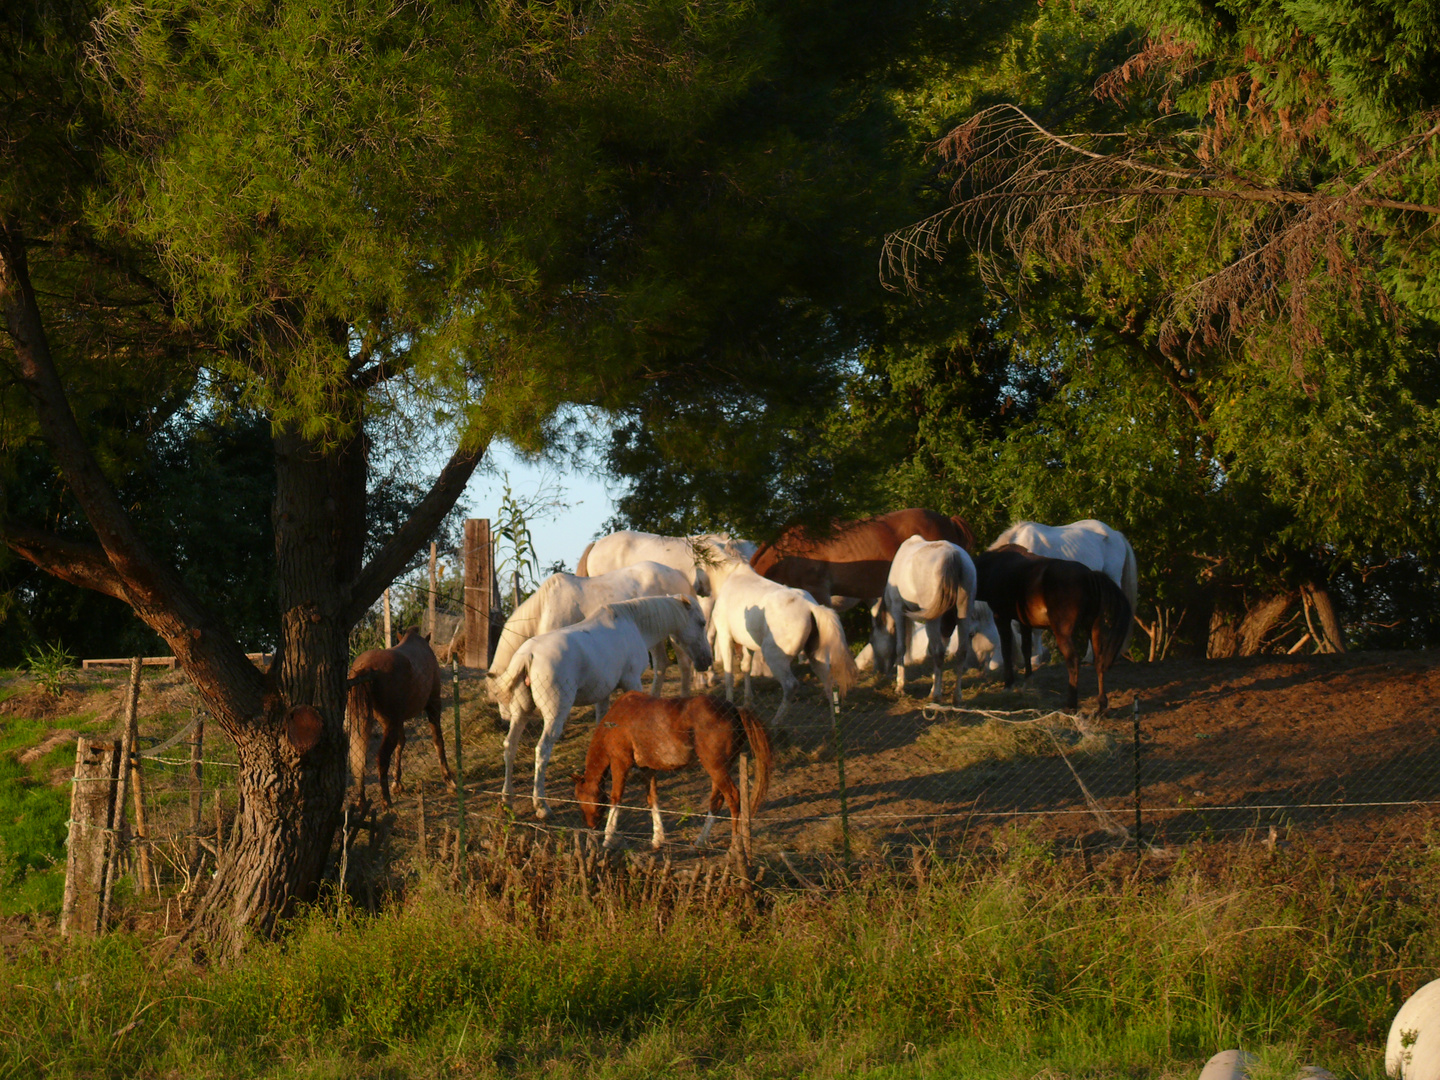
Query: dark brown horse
point(664, 735)
point(394, 685)
point(1068, 598)
point(853, 559)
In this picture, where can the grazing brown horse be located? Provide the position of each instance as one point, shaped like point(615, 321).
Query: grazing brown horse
point(853, 559)
point(393, 684)
point(1071, 600)
point(666, 734)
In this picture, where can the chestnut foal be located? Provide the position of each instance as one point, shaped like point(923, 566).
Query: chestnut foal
point(665, 735)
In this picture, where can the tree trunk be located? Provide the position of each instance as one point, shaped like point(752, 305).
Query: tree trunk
point(1330, 634)
point(1222, 641)
point(1260, 620)
point(292, 800)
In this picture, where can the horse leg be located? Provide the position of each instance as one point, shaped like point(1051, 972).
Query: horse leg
point(1102, 703)
point(937, 639)
point(1064, 632)
point(518, 719)
point(433, 714)
point(657, 827)
point(687, 672)
point(1027, 646)
point(393, 733)
point(747, 661)
point(397, 787)
point(618, 772)
point(554, 728)
point(1007, 647)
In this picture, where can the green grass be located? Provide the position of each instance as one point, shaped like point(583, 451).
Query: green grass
point(1007, 968)
point(33, 815)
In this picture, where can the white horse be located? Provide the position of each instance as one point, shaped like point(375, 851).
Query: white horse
point(565, 599)
point(930, 581)
point(584, 664)
point(1090, 542)
point(982, 651)
point(695, 556)
point(763, 617)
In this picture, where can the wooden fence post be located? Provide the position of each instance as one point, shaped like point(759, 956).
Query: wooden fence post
point(92, 805)
point(479, 580)
point(389, 637)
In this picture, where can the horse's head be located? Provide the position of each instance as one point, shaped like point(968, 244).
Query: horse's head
point(691, 638)
point(981, 631)
point(588, 796)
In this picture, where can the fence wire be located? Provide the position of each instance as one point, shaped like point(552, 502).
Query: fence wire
point(948, 778)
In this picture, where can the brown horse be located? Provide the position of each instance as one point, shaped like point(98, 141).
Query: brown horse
point(667, 734)
point(853, 559)
point(1068, 598)
point(393, 684)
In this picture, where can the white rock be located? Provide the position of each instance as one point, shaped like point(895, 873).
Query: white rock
point(1413, 1049)
point(1228, 1065)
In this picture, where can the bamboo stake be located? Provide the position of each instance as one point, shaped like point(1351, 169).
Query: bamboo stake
point(459, 771)
point(142, 828)
point(430, 612)
point(118, 836)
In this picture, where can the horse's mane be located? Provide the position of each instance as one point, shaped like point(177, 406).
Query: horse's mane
point(653, 616)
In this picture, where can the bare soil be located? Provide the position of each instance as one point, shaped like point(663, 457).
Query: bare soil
point(1340, 752)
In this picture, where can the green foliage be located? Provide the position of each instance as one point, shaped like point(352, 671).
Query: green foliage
point(50, 667)
point(999, 967)
point(33, 814)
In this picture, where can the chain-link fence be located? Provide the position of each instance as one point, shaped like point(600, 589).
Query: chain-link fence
point(1337, 753)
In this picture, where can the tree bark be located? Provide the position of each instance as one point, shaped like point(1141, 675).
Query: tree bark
point(1330, 634)
point(1260, 620)
point(1222, 641)
point(291, 792)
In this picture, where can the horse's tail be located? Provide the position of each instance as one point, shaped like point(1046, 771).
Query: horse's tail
point(520, 627)
point(829, 638)
point(582, 568)
point(966, 537)
point(502, 686)
point(1115, 617)
point(758, 736)
point(1130, 586)
point(359, 722)
point(949, 585)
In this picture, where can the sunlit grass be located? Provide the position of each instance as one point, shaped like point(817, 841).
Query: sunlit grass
point(1011, 967)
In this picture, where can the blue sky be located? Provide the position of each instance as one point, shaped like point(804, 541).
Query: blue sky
point(560, 533)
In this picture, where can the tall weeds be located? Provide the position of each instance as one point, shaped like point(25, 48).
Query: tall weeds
point(998, 967)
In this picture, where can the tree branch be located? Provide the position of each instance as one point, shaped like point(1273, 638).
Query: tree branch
point(209, 654)
point(69, 560)
point(390, 560)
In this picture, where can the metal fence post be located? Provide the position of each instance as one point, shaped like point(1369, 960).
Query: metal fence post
point(1135, 717)
point(839, 741)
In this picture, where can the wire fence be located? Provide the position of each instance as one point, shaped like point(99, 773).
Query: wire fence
point(1338, 753)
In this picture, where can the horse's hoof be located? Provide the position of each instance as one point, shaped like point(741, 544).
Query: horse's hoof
point(542, 813)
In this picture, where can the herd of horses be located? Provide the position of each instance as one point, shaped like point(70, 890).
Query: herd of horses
point(754, 611)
